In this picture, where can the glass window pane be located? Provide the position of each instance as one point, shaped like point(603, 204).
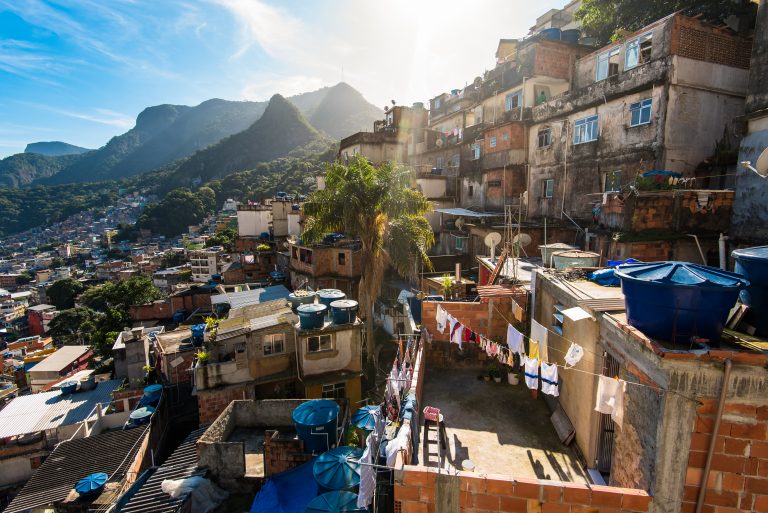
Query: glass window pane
point(633, 54)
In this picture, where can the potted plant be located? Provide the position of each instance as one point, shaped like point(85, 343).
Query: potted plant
point(494, 372)
point(447, 283)
point(203, 357)
point(512, 378)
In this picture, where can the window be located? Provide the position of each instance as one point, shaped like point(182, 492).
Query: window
point(613, 181)
point(319, 343)
point(548, 188)
point(513, 100)
point(493, 141)
point(460, 243)
point(608, 64)
point(585, 130)
point(342, 258)
point(274, 344)
point(437, 103)
point(475, 152)
point(545, 137)
point(471, 190)
point(505, 136)
point(455, 159)
point(557, 319)
point(638, 51)
point(439, 162)
point(335, 391)
point(494, 183)
point(640, 112)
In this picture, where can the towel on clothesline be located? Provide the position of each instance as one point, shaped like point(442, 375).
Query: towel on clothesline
point(539, 333)
point(515, 340)
point(442, 319)
point(610, 398)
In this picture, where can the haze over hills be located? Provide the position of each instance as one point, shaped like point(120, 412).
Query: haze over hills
point(24, 168)
point(165, 133)
point(54, 148)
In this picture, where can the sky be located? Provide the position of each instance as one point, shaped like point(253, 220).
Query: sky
point(80, 71)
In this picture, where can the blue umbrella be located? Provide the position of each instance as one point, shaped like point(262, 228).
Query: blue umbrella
point(334, 502)
point(339, 468)
point(365, 417)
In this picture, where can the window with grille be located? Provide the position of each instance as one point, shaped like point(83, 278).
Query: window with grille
point(274, 344)
point(585, 130)
point(319, 343)
point(335, 391)
point(640, 112)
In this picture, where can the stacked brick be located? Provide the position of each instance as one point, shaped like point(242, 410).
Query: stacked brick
point(738, 480)
point(210, 403)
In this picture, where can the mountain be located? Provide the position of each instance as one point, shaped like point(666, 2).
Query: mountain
point(342, 111)
point(279, 131)
point(24, 168)
point(54, 148)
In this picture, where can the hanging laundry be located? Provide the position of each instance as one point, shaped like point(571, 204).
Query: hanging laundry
point(515, 340)
point(395, 446)
point(457, 334)
point(539, 334)
point(610, 398)
point(517, 311)
point(549, 379)
point(367, 474)
point(466, 335)
point(533, 349)
point(531, 372)
point(574, 355)
point(442, 319)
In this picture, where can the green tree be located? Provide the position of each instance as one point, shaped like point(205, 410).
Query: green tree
point(137, 290)
point(172, 259)
point(377, 206)
point(56, 262)
point(63, 292)
point(24, 277)
point(174, 213)
point(607, 19)
point(74, 326)
point(208, 198)
point(225, 238)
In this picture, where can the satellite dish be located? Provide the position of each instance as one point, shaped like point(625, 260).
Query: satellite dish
point(460, 222)
point(522, 240)
point(761, 166)
point(492, 239)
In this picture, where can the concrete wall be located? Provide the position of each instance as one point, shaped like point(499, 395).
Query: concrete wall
point(251, 222)
point(346, 354)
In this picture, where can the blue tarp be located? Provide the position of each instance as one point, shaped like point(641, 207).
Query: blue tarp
point(287, 492)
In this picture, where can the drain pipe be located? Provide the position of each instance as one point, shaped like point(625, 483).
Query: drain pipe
point(715, 429)
point(721, 248)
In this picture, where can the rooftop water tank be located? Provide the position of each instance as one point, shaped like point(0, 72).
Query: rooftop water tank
point(752, 263)
point(68, 387)
point(91, 485)
point(548, 249)
point(151, 396)
point(551, 33)
point(311, 317)
point(575, 258)
point(316, 424)
point(198, 334)
point(140, 416)
point(338, 469)
point(675, 301)
point(344, 311)
point(570, 36)
point(328, 296)
point(334, 502)
point(301, 297)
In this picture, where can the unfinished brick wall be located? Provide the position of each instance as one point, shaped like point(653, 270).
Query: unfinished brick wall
point(422, 490)
point(490, 319)
point(738, 480)
point(281, 454)
point(210, 403)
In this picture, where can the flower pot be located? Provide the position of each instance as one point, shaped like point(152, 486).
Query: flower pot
point(497, 379)
point(486, 378)
point(512, 378)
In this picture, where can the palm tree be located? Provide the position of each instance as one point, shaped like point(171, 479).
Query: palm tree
point(377, 206)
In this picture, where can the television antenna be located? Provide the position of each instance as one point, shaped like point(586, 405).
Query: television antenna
point(761, 166)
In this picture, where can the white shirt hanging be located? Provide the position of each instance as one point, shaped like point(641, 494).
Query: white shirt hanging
point(531, 372)
point(367, 474)
point(515, 340)
point(442, 319)
point(549, 380)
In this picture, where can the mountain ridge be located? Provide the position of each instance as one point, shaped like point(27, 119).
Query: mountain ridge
point(54, 148)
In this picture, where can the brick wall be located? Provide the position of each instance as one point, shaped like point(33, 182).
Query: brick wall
point(515, 138)
point(422, 490)
point(126, 399)
point(738, 480)
point(210, 403)
point(489, 320)
point(281, 454)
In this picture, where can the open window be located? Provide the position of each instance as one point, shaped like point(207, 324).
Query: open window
point(548, 188)
point(608, 64)
point(613, 181)
point(638, 51)
point(544, 138)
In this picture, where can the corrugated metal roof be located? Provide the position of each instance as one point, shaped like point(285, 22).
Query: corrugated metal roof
point(49, 410)
point(467, 213)
point(61, 358)
point(182, 463)
point(111, 452)
point(251, 297)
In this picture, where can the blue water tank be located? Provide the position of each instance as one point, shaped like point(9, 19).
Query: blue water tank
point(316, 424)
point(570, 36)
point(328, 296)
point(301, 297)
point(198, 334)
point(68, 387)
point(91, 484)
point(752, 263)
point(151, 396)
point(344, 311)
point(311, 317)
point(334, 502)
point(140, 416)
point(338, 469)
point(675, 301)
point(551, 33)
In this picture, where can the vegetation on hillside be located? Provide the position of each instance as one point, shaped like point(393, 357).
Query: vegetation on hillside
point(24, 168)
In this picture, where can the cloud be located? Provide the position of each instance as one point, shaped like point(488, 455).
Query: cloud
point(262, 87)
point(100, 116)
